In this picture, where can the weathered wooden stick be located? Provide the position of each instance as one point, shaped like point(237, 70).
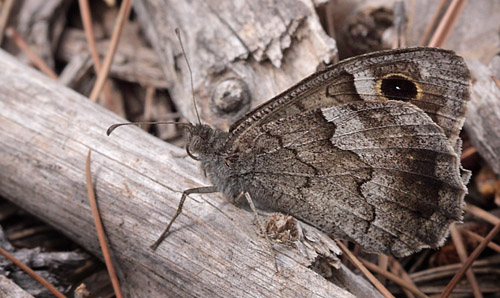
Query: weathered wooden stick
point(242, 52)
point(213, 249)
point(482, 122)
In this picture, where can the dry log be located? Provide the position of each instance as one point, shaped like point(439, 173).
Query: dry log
point(9, 289)
point(482, 122)
point(242, 52)
point(479, 42)
point(40, 23)
point(134, 63)
point(213, 250)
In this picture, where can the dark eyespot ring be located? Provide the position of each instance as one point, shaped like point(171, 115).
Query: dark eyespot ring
point(398, 87)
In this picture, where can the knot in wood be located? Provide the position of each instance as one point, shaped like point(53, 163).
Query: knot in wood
point(231, 96)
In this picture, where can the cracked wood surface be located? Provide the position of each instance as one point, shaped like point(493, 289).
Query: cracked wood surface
point(266, 45)
point(213, 250)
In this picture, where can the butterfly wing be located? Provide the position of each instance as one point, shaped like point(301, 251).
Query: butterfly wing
point(435, 80)
point(363, 150)
point(381, 174)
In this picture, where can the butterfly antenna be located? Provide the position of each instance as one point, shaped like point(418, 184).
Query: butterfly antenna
point(114, 126)
point(178, 33)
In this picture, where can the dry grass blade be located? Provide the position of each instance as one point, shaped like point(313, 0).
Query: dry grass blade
point(363, 269)
point(398, 270)
point(480, 238)
point(396, 279)
point(32, 273)
point(482, 214)
point(446, 24)
point(467, 153)
point(330, 26)
point(479, 249)
point(23, 46)
point(89, 33)
point(383, 264)
point(462, 254)
point(100, 231)
point(400, 22)
point(148, 106)
point(433, 23)
point(123, 15)
point(497, 81)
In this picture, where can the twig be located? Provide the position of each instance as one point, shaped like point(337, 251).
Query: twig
point(480, 238)
point(330, 25)
point(482, 214)
point(23, 46)
point(31, 273)
point(400, 22)
point(89, 35)
point(479, 249)
point(398, 269)
point(100, 231)
point(123, 15)
point(462, 254)
point(383, 264)
point(393, 277)
point(356, 262)
point(148, 105)
point(497, 81)
point(24, 233)
point(447, 22)
point(4, 17)
point(468, 153)
point(433, 23)
point(447, 271)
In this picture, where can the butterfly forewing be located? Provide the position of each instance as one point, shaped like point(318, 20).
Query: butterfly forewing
point(373, 192)
point(435, 80)
point(363, 150)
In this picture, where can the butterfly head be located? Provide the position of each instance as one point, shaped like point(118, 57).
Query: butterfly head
point(203, 140)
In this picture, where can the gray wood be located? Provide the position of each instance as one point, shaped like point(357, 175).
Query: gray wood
point(40, 23)
point(482, 122)
point(9, 289)
point(132, 62)
point(213, 249)
point(266, 46)
point(480, 41)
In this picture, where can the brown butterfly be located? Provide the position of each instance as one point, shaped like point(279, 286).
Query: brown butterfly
point(365, 150)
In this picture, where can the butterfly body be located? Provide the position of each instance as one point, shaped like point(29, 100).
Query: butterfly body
point(364, 150)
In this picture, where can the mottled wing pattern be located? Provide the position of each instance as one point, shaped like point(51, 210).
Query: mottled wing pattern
point(439, 85)
point(363, 150)
point(380, 174)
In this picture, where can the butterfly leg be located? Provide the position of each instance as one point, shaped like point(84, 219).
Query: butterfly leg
point(187, 192)
point(262, 228)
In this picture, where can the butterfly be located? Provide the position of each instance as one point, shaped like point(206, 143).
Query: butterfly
point(366, 150)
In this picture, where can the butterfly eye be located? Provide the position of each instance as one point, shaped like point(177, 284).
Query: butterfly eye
point(398, 87)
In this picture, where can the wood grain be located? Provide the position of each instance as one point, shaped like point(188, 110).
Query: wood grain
point(267, 46)
point(482, 122)
point(213, 249)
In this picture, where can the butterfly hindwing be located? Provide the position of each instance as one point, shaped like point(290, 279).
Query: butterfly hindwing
point(366, 171)
point(363, 150)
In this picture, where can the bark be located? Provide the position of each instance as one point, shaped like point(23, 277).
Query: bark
point(250, 51)
point(242, 53)
point(482, 122)
point(213, 249)
point(9, 289)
